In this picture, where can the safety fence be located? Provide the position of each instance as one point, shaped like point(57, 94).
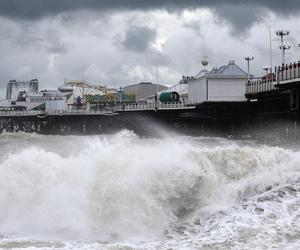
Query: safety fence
point(260, 86)
point(99, 110)
point(288, 71)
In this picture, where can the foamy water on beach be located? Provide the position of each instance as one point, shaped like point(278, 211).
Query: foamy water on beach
point(123, 191)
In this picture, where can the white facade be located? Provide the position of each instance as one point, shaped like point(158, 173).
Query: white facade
point(47, 100)
point(143, 90)
point(226, 83)
point(197, 91)
point(56, 105)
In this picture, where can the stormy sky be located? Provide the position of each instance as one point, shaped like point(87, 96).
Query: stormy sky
point(123, 41)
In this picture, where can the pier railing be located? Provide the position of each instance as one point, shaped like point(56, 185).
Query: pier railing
point(260, 85)
point(288, 71)
point(103, 110)
point(20, 113)
point(150, 106)
point(52, 112)
point(130, 106)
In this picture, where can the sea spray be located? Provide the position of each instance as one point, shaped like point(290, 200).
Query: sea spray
point(162, 192)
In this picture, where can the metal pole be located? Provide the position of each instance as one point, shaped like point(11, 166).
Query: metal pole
point(282, 48)
point(156, 94)
point(136, 91)
point(248, 63)
point(283, 51)
point(248, 59)
point(270, 40)
point(83, 73)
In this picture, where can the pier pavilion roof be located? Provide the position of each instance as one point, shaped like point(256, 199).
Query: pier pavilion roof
point(231, 70)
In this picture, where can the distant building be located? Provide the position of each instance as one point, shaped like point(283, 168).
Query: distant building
point(25, 95)
point(17, 90)
point(181, 89)
point(226, 83)
point(143, 90)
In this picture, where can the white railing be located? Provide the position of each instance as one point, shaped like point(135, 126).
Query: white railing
point(43, 99)
point(20, 113)
point(104, 110)
point(288, 71)
point(150, 106)
point(259, 86)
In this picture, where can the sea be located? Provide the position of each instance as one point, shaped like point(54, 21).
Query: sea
point(123, 192)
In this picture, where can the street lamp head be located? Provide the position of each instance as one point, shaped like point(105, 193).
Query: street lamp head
point(249, 58)
point(282, 32)
point(284, 47)
point(266, 68)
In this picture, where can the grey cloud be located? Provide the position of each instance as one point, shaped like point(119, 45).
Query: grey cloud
point(240, 17)
point(195, 26)
point(139, 38)
point(53, 42)
point(36, 8)
point(239, 13)
point(181, 55)
point(30, 35)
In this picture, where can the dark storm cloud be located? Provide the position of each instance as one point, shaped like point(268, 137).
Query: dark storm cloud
point(139, 38)
point(56, 37)
point(239, 14)
point(53, 42)
point(32, 9)
point(29, 35)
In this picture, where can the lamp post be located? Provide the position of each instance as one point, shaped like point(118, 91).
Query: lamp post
point(267, 77)
point(248, 59)
point(267, 68)
point(282, 34)
point(156, 92)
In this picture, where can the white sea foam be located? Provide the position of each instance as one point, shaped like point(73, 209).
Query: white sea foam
point(126, 192)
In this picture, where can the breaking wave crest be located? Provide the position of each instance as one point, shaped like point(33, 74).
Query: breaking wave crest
point(123, 188)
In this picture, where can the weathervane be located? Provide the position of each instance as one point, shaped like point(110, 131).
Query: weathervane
point(204, 62)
